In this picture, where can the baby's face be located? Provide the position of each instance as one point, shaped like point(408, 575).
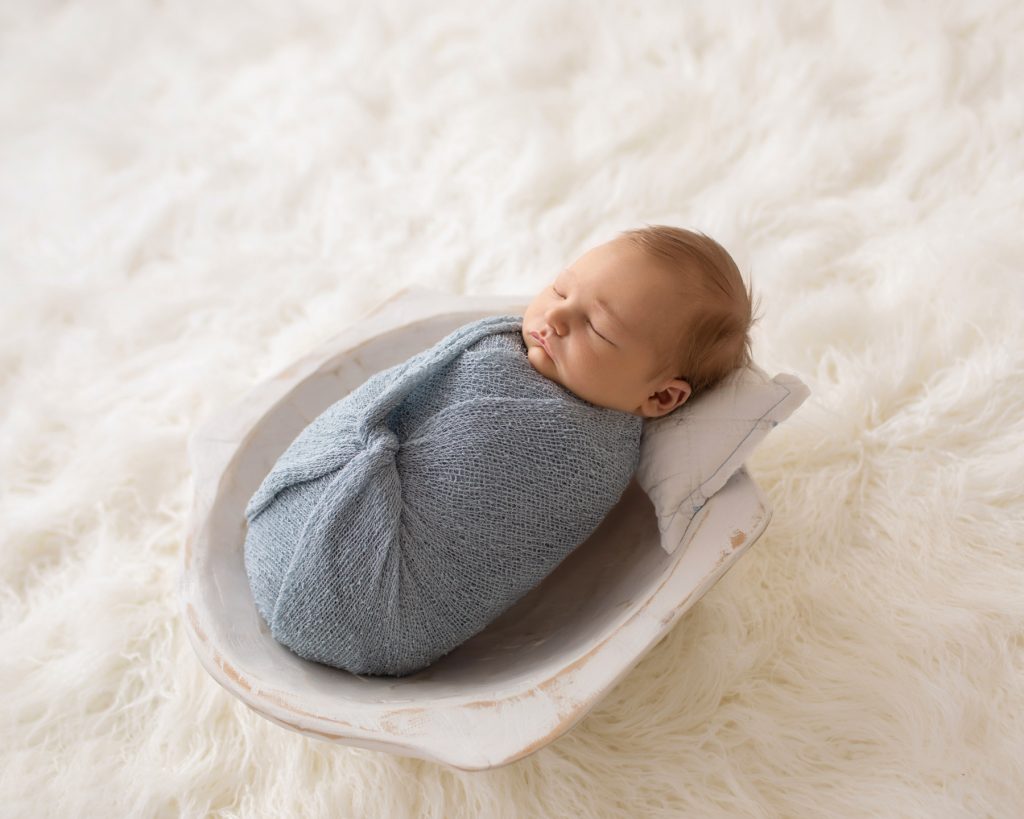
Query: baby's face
point(607, 354)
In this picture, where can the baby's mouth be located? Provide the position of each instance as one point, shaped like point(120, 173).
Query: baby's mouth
point(542, 343)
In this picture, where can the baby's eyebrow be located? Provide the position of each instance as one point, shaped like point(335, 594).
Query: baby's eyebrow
point(603, 305)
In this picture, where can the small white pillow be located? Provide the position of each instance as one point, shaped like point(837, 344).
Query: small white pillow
point(689, 454)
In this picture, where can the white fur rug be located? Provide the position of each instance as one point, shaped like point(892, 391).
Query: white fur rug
point(193, 194)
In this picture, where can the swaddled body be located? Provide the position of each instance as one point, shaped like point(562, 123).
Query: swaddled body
point(414, 511)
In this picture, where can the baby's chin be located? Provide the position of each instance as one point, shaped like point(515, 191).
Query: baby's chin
point(545, 365)
point(542, 362)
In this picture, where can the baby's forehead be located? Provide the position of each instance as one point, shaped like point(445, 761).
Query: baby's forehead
point(650, 304)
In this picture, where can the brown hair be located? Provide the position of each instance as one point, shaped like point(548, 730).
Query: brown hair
point(712, 337)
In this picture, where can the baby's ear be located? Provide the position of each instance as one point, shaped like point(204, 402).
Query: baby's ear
point(689, 389)
point(671, 396)
point(681, 388)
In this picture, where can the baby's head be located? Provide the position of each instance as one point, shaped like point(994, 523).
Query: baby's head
point(643, 322)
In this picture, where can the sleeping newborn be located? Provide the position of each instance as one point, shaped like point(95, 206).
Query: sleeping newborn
point(414, 511)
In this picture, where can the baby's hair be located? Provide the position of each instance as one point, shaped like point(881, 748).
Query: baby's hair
point(712, 338)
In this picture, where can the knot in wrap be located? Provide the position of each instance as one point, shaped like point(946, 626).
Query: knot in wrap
point(419, 507)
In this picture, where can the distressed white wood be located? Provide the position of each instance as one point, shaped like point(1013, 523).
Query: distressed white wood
point(528, 677)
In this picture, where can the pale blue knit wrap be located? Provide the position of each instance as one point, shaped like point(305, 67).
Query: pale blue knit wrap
point(414, 511)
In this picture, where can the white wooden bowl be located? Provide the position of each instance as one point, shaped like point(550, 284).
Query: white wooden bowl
point(523, 681)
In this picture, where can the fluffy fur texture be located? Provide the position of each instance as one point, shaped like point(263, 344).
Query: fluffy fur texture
point(193, 195)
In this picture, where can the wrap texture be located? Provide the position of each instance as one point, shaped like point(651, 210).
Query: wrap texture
point(418, 508)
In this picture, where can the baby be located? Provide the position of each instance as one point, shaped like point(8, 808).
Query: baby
point(414, 511)
point(643, 322)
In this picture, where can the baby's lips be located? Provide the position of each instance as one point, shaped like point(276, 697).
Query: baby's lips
point(542, 343)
